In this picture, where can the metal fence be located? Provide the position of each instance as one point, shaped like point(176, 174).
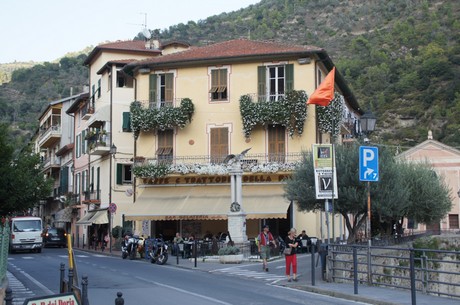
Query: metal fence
point(435, 272)
point(4, 244)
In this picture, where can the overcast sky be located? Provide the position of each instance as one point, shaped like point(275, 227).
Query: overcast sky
point(48, 29)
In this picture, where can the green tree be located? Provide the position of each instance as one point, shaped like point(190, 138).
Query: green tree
point(403, 190)
point(22, 183)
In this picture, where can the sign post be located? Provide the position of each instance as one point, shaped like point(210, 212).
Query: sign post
point(369, 171)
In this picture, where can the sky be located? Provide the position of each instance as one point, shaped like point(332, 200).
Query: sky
point(34, 30)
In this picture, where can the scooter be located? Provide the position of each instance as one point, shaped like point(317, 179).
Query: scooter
point(158, 252)
point(130, 246)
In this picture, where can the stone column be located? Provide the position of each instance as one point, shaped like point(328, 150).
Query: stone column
point(236, 215)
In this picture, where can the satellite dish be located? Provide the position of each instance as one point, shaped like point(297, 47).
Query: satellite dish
point(62, 199)
point(129, 192)
point(146, 33)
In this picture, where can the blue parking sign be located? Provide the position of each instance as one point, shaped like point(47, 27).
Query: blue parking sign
point(368, 163)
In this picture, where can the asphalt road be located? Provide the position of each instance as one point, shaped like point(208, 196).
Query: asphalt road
point(145, 283)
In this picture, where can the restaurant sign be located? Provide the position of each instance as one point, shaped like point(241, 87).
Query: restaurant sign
point(218, 179)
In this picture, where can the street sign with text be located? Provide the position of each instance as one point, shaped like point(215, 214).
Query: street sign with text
point(368, 163)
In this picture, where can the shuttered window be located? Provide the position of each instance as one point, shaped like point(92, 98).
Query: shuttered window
point(276, 143)
point(279, 81)
point(126, 122)
point(165, 145)
point(219, 90)
point(219, 144)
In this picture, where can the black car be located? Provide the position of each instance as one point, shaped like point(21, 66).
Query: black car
point(55, 237)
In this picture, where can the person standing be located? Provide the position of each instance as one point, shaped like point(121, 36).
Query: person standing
point(291, 257)
point(265, 239)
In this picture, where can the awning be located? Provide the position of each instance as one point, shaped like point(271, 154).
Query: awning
point(102, 115)
point(94, 217)
point(207, 203)
point(64, 215)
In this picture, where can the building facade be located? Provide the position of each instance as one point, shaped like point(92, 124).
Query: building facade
point(194, 108)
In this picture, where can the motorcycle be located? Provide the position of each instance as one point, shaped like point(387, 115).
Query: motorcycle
point(131, 245)
point(158, 251)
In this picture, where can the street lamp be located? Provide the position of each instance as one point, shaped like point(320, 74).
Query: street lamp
point(367, 122)
point(113, 151)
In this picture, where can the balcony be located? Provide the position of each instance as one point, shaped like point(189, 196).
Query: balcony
point(87, 112)
point(92, 197)
point(51, 163)
point(213, 165)
point(49, 136)
point(98, 144)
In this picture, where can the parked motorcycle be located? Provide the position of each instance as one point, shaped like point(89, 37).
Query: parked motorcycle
point(130, 245)
point(158, 251)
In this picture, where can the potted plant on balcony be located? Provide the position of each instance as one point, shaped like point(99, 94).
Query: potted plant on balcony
point(230, 255)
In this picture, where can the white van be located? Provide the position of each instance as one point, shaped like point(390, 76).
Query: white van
point(26, 234)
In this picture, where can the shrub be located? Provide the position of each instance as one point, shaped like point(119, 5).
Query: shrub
point(230, 250)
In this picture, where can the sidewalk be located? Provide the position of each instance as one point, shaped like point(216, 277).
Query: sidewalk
point(366, 294)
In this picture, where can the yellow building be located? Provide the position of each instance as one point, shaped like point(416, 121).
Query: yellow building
point(194, 108)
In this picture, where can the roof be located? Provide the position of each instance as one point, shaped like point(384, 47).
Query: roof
point(430, 145)
point(231, 49)
point(76, 104)
point(244, 50)
point(134, 46)
point(118, 63)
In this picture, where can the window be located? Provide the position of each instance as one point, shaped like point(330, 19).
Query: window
point(219, 89)
point(126, 122)
point(276, 143)
point(165, 146)
point(219, 144)
point(124, 81)
point(453, 221)
point(161, 90)
point(78, 148)
point(124, 175)
point(274, 81)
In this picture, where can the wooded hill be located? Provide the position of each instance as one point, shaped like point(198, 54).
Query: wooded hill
point(400, 57)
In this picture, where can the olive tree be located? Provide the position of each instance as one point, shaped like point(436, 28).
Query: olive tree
point(404, 190)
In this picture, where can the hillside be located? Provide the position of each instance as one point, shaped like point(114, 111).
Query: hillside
point(400, 57)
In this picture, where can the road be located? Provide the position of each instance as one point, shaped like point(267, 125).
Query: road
point(145, 283)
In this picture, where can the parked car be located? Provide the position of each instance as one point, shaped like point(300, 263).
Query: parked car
point(55, 237)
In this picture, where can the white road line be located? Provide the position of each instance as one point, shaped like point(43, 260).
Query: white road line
point(216, 301)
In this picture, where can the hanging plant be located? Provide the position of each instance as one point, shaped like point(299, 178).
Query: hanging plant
point(289, 111)
point(151, 170)
point(145, 119)
point(331, 115)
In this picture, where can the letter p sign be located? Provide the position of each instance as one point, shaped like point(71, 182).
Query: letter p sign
point(368, 163)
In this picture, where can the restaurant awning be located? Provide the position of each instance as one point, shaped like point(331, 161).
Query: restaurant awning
point(94, 217)
point(64, 215)
point(207, 203)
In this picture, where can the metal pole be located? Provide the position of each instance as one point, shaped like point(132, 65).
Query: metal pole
point(326, 208)
point(194, 251)
point(313, 246)
point(412, 277)
point(355, 270)
point(369, 234)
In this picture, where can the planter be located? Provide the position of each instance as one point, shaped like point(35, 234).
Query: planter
point(231, 259)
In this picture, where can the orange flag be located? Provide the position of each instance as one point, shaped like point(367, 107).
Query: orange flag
point(324, 94)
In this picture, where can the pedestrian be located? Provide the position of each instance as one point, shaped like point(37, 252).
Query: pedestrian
point(265, 241)
point(290, 255)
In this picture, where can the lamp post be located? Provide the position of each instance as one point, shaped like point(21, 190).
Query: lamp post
point(113, 151)
point(367, 122)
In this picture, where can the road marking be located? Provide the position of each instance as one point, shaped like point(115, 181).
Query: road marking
point(216, 301)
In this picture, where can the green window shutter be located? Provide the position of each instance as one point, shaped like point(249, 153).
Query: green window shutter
point(126, 121)
point(289, 77)
point(83, 142)
point(64, 185)
point(98, 183)
point(92, 179)
point(261, 82)
point(119, 173)
point(153, 88)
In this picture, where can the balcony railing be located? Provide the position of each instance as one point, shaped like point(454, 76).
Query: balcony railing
point(99, 144)
point(92, 196)
point(49, 135)
point(159, 104)
point(87, 111)
point(256, 163)
point(274, 96)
